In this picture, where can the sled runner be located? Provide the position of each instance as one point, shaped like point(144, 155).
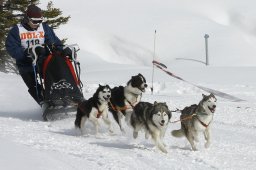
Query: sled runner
point(60, 80)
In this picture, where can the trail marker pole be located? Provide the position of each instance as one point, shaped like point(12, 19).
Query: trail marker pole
point(153, 66)
point(206, 36)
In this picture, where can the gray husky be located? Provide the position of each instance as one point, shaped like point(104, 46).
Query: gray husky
point(197, 118)
point(153, 118)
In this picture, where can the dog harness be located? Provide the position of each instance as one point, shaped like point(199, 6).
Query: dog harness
point(98, 114)
point(202, 123)
point(190, 117)
point(185, 118)
point(117, 108)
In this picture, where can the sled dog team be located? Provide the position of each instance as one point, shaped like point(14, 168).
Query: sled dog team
point(153, 119)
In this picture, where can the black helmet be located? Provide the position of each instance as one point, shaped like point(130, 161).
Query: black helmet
point(34, 12)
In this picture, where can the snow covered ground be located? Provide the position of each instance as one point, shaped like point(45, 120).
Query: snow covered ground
point(116, 41)
point(28, 143)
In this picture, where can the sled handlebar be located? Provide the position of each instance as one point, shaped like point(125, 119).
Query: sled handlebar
point(34, 53)
point(71, 46)
point(74, 50)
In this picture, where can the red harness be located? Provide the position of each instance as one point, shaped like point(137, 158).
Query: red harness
point(98, 114)
point(205, 125)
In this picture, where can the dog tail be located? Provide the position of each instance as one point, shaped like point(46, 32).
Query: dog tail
point(178, 133)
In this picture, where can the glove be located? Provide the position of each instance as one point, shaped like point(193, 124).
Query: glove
point(67, 52)
point(28, 53)
point(40, 52)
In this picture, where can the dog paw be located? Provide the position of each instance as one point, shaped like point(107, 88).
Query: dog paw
point(83, 132)
point(135, 135)
point(123, 131)
point(194, 148)
point(207, 144)
point(99, 136)
point(111, 131)
point(163, 150)
point(146, 135)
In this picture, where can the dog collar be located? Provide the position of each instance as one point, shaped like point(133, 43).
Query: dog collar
point(136, 95)
point(99, 113)
point(201, 113)
point(130, 103)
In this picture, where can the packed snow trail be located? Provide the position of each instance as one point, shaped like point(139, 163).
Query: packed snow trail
point(58, 143)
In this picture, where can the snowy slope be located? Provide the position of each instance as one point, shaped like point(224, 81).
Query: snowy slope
point(116, 41)
point(180, 24)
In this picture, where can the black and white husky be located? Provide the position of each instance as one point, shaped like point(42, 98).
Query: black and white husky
point(197, 118)
point(153, 119)
point(94, 108)
point(123, 99)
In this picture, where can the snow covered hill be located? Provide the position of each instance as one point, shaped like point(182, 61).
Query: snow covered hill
point(116, 41)
point(125, 29)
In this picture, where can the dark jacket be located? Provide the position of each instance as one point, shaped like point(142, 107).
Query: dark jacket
point(14, 48)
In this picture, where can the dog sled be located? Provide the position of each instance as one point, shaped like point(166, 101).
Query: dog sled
point(59, 77)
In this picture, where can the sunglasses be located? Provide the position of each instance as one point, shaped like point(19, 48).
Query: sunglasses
point(36, 21)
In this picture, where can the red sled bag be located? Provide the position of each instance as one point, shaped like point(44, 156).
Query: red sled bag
point(61, 82)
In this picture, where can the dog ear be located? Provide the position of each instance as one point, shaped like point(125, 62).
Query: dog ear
point(140, 75)
point(155, 102)
point(100, 85)
point(212, 95)
point(169, 113)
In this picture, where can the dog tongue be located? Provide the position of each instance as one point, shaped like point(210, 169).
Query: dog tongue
point(212, 109)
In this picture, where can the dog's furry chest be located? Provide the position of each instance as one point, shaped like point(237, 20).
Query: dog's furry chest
point(131, 99)
point(202, 122)
point(103, 107)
